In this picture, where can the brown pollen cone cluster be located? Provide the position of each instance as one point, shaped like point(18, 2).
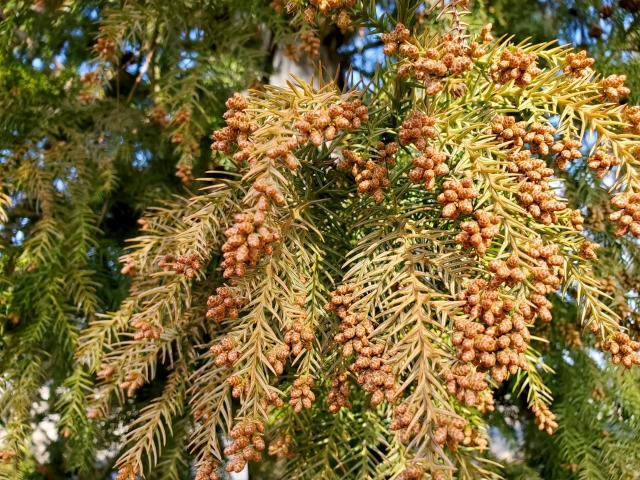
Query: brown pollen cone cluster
point(247, 444)
point(544, 418)
point(223, 305)
point(147, 330)
point(403, 422)
point(185, 173)
point(132, 382)
point(477, 234)
point(339, 394)
point(613, 88)
point(628, 214)
point(464, 383)
point(429, 166)
point(401, 42)
point(623, 350)
point(225, 353)
point(547, 275)
point(371, 176)
point(632, 114)
point(165, 262)
point(298, 334)
point(518, 66)
point(187, 264)
point(375, 373)
point(310, 45)
point(414, 473)
point(567, 151)
point(207, 470)
point(301, 394)
point(237, 130)
point(508, 131)
point(600, 161)
point(106, 371)
point(278, 356)
point(247, 241)
point(578, 65)
point(417, 129)
point(7, 455)
point(334, 9)
point(355, 328)
point(127, 473)
point(455, 431)
point(457, 196)
point(324, 125)
point(129, 268)
point(106, 47)
point(281, 448)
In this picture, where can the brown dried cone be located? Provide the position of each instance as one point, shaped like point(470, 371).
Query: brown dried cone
point(454, 431)
point(339, 394)
point(246, 445)
point(567, 151)
point(535, 194)
point(404, 422)
point(278, 356)
point(508, 131)
point(185, 173)
point(412, 473)
point(248, 239)
point(544, 418)
point(417, 129)
point(578, 65)
point(281, 448)
point(127, 473)
point(632, 115)
point(628, 214)
point(225, 353)
point(371, 176)
point(237, 131)
point(457, 196)
point(301, 394)
point(7, 455)
point(324, 125)
point(133, 381)
point(148, 331)
point(129, 268)
point(517, 65)
point(105, 47)
point(429, 166)
point(375, 373)
point(601, 162)
point(478, 234)
point(623, 349)
point(613, 88)
point(464, 383)
point(187, 264)
point(223, 305)
point(106, 371)
point(207, 470)
point(400, 42)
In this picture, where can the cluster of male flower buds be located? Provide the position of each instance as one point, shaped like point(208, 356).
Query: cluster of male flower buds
point(601, 161)
point(518, 66)
point(301, 394)
point(455, 431)
point(106, 371)
point(375, 373)
point(239, 128)
point(477, 234)
point(247, 444)
point(417, 129)
point(544, 418)
point(578, 65)
point(105, 47)
point(463, 382)
point(371, 176)
point(132, 382)
point(187, 264)
point(223, 305)
point(623, 349)
point(415, 472)
point(298, 336)
point(404, 421)
point(339, 393)
point(632, 115)
point(225, 352)
point(207, 470)
point(334, 9)
point(281, 448)
point(147, 330)
point(429, 165)
point(355, 327)
point(7, 455)
point(127, 473)
point(567, 151)
point(278, 356)
point(628, 214)
point(129, 268)
point(322, 125)
point(247, 241)
point(457, 196)
point(613, 88)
